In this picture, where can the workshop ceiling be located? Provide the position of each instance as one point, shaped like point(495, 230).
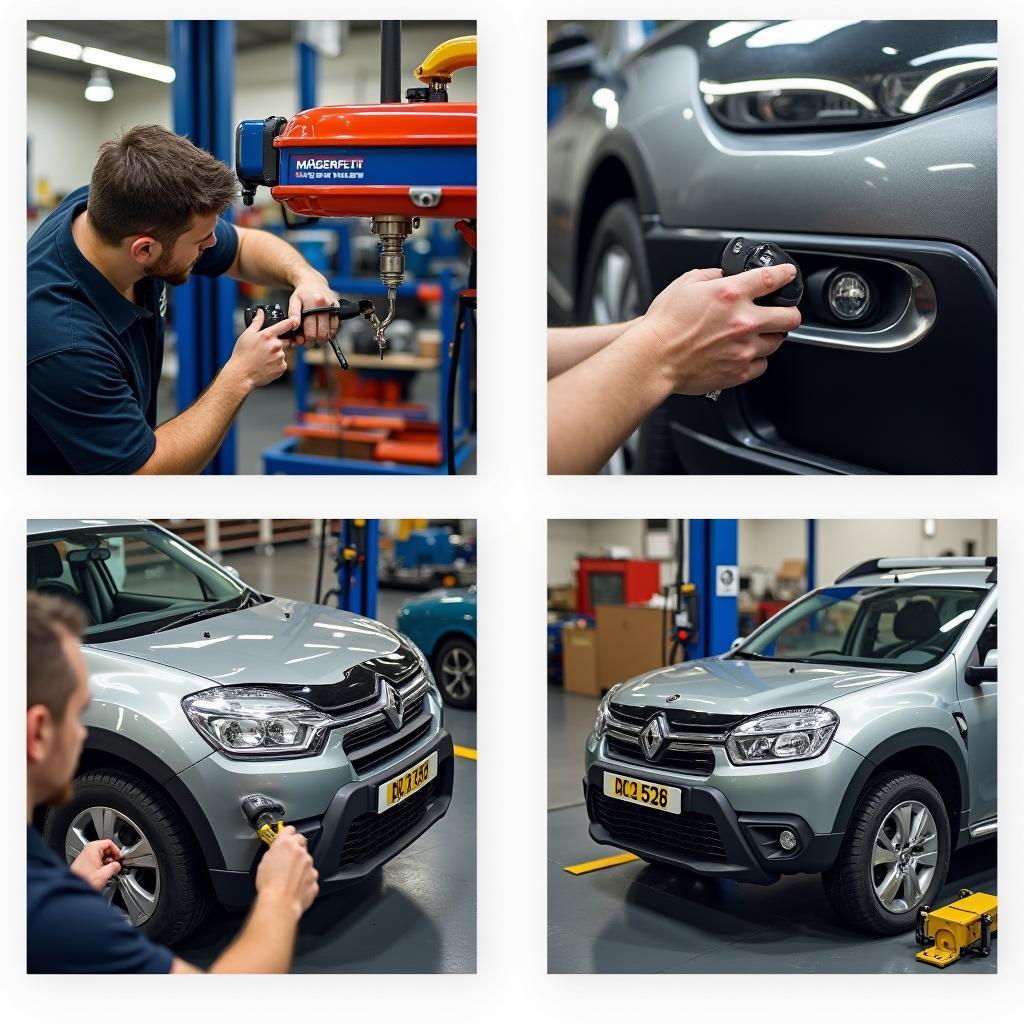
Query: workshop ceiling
point(147, 40)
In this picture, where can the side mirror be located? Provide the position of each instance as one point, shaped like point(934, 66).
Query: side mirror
point(736, 643)
point(572, 55)
point(975, 675)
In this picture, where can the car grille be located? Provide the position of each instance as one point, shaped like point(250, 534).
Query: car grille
point(679, 719)
point(374, 740)
point(683, 757)
point(689, 832)
point(371, 833)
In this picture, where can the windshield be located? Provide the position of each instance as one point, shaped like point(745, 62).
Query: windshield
point(130, 580)
point(907, 628)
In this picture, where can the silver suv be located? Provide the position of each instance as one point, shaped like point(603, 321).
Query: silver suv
point(205, 691)
point(853, 734)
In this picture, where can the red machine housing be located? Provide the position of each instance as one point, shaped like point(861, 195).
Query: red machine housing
point(413, 145)
point(615, 581)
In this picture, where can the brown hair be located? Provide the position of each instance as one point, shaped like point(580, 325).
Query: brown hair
point(51, 680)
point(149, 181)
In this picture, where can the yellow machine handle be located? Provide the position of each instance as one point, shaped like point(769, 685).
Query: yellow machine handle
point(269, 832)
point(444, 60)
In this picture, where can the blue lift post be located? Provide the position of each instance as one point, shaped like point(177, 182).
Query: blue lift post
point(203, 57)
point(362, 538)
point(713, 543)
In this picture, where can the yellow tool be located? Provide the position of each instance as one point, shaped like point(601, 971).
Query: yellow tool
point(966, 926)
point(265, 815)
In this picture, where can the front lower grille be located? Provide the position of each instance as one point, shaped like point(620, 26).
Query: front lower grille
point(683, 757)
point(689, 832)
point(370, 834)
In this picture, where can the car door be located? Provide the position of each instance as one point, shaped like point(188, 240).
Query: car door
point(978, 705)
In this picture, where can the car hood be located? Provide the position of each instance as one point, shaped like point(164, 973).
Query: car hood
point(739, 688)
point(288, 644)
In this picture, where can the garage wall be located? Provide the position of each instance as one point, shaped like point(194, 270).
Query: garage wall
point(767, 543)
point(63, 132)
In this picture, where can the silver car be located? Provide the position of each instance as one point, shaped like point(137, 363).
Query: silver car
point(204, 692)
point(853, 734)
point(867, 150)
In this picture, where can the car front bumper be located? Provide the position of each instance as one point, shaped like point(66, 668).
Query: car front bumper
point(350, 840)
point(709, 836)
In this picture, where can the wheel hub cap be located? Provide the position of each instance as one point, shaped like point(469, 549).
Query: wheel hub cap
point(458, 674)
point(135, 889)
point(904, 856)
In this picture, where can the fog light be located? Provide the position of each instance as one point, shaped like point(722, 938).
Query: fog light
point(849, 296)
point(787, 839)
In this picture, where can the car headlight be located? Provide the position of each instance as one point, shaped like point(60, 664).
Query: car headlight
point(246, 721)
point(795, 75)
point(792, 734)
point(601, 722)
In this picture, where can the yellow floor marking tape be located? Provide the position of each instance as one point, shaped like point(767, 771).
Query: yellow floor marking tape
point(467, 752)
point(605, 862)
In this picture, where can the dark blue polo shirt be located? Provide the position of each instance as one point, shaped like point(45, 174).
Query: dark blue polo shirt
point(72, 929)
point(94, 358)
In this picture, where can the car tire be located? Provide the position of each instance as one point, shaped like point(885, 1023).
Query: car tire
point(181, 893)
point(851, 883)
point(616, 286)
point(455, 672)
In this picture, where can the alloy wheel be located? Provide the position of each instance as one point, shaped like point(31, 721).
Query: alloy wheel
point(903, 856)
point(458, 674)
point(135, 889)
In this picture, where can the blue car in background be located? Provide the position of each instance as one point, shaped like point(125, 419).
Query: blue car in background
point(442, 624)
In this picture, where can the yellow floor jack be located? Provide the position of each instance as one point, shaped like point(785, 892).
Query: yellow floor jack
point(966, 926)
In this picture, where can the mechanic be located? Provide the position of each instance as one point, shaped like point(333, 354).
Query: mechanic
point(98, 271)
point(700, 334)
point(71, 927)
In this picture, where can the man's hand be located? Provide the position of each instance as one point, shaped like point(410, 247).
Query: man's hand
point(313, 291)
point(258, 356)
point(286, 877)
point(711, 333)
point(98, 862)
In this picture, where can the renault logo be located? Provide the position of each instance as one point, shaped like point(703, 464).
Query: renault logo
point(392, 707)
point(652, 737)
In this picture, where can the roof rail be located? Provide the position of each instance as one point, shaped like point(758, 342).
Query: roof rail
point(877, 565)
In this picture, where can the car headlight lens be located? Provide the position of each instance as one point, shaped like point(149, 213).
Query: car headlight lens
point(795, 75)
point(252, 722)
point(792, 734)
point(601, 722)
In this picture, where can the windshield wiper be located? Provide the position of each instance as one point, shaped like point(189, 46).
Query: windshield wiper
point(751, 656)
point(205, 613)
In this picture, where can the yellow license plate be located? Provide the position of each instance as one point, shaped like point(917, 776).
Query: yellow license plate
point(404, 785)
point(650, 794)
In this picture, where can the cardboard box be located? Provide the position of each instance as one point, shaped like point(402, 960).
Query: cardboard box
point(562, 599)
point(629, 642)
point(579, 661)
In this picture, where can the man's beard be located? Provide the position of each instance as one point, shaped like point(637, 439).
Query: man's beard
point(61, 796)
point(164, 270)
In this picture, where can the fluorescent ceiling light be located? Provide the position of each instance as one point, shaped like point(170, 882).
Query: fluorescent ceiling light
point(129, 65)
point(102, 58)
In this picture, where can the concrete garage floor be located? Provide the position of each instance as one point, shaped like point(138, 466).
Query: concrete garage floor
point(416, 915)
point(641, 919)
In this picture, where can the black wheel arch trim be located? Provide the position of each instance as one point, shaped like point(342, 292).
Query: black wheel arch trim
point(106, 742)
point(913, 739)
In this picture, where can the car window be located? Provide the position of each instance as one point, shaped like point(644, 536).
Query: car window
point(896, 627)
point(129, 580)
